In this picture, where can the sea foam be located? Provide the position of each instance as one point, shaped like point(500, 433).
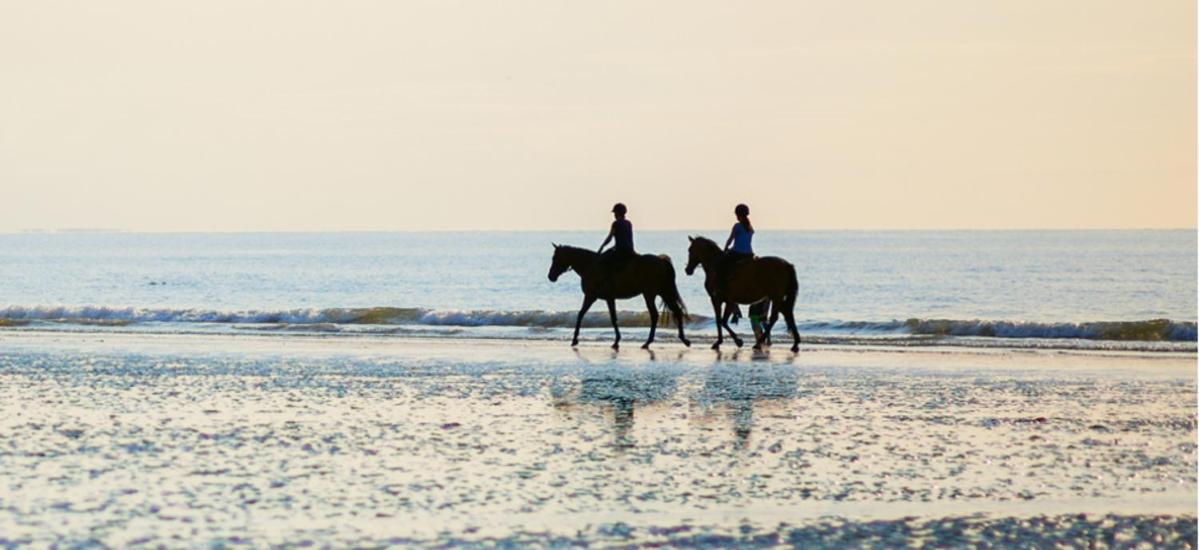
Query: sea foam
point(1153, 330)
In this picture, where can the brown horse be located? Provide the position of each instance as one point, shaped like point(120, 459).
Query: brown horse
point(767, 278)
point(645, 275)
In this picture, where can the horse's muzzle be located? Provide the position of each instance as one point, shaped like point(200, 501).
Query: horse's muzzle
point(690, 270)
point(553, 278)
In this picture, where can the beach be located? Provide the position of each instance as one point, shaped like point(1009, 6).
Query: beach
point(604, 274)
point(120, 438)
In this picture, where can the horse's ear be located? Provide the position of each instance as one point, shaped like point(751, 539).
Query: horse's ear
point(556, 245)
point(690, 238)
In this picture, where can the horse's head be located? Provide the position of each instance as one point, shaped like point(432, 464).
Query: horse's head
point(701, 250)
point(559, 265)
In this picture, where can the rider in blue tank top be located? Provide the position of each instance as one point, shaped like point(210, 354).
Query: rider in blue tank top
point(741, 241)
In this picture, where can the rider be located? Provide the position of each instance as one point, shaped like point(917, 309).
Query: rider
point(616, 257)
point(741, 240)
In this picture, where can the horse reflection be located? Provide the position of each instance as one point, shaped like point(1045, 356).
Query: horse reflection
point(755, 354)
point(738, 387)
point(624, 389)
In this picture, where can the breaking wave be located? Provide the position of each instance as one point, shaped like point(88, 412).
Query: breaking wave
point(1155, 330)
point(103, 315)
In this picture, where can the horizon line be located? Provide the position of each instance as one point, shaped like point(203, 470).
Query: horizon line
point(85, 231)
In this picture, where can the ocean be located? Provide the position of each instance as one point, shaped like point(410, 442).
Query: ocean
point(1020, 287)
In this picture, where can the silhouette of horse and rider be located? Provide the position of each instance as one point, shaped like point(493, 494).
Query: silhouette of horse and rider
point(732, 276)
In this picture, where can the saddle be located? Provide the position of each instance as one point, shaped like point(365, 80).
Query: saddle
point(728, 273)
point(609, 267)
point(734, 266)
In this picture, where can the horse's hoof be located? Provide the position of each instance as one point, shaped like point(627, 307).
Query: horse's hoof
point(794, 348)
point(686, 342)
point(758, 347)
point(574, 344)
point(615, 346)
point(645, 345)
point(716, 346)
point(739, 342)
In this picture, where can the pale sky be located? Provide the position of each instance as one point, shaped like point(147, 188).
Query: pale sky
point(407, 115)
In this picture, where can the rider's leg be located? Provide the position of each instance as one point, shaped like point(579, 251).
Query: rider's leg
point(725, 267)
point(756, 321)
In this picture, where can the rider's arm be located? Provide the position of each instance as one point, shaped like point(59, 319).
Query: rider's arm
point(608, 239)
point(732, 234)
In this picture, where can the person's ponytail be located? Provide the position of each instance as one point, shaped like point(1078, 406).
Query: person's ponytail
point(742, 211)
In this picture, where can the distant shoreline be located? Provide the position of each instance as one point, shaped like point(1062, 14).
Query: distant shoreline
point(717, 230)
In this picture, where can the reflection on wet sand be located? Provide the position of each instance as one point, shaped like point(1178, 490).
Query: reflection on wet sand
point(739, 387)
point(676, 355)
point(731, 384)
point(128, 440)
point(621, 389)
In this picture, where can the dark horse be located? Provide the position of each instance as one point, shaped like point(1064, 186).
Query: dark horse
point(767, 278)
point(646, 275)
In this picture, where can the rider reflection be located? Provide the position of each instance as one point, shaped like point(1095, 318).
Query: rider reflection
point(625, 390)
point(738, 389)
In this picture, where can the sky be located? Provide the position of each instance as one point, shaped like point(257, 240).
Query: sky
point(244, 115)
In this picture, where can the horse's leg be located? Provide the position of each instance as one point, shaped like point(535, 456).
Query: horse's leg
point(612, 314)
point(728, 312)
point(678, 319)
point(774, 317)
point(653, 320)
point(769, 320)
point(719, 335)
point(587, 301)
point(789, 315)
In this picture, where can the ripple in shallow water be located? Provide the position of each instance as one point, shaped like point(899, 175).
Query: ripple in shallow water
point(161, 447)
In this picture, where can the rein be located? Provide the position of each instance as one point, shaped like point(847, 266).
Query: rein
point(715, 255)
point(578, 257)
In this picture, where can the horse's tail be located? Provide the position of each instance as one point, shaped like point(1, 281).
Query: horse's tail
point(670, 294)
point(792, 288)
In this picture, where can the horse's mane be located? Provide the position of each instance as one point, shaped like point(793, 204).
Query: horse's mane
point(706, 242)
point(575, 248)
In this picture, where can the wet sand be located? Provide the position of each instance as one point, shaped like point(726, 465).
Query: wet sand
point(123, 439)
